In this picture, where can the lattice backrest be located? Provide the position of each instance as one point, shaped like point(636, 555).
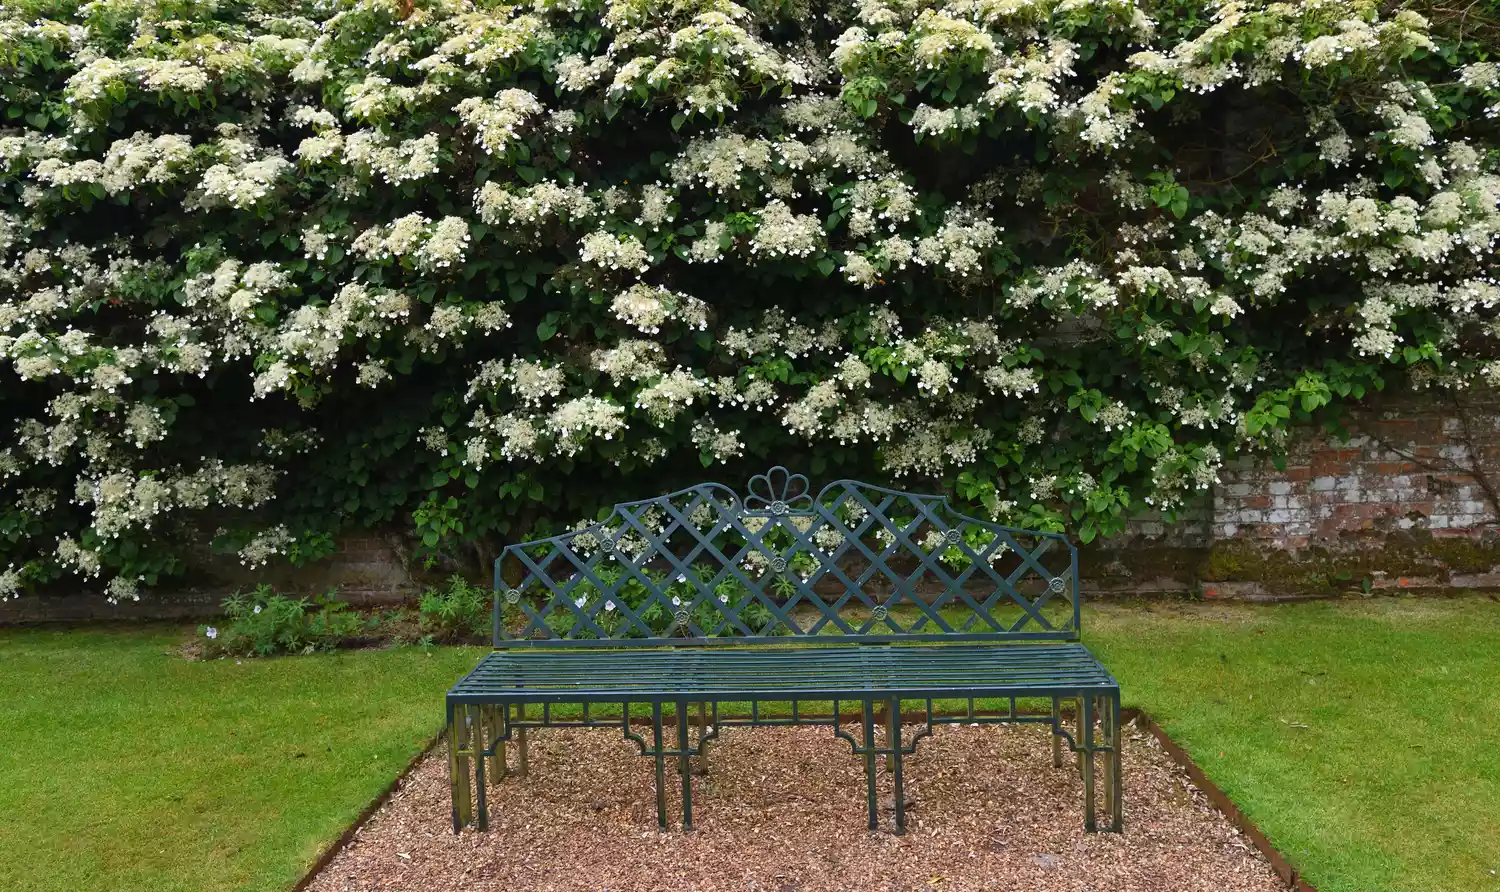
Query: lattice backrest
point(856, 562)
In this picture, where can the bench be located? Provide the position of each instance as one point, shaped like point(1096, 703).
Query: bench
point(879, 603)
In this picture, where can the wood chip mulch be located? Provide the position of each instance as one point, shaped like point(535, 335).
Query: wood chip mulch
point(783, 810)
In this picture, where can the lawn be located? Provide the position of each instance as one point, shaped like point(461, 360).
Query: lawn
point(1361, 736)
point(124, 766)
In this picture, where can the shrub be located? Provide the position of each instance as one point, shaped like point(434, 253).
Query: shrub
point(264, 623)
point(268, 269)
point(712, 619)
point(459, 612)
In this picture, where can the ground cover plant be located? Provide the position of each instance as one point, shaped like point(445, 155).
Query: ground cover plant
point(1356, 734)
point(274, 268)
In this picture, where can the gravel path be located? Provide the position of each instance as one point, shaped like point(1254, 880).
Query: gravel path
point(784, 811)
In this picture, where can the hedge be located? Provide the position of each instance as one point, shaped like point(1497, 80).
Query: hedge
point(275, 269)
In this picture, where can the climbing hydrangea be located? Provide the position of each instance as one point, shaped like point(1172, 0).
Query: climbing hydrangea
point(268, 271)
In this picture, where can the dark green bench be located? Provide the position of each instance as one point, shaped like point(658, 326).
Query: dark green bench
point(858, 598)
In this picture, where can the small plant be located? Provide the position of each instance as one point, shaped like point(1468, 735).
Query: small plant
point(459, 612)
point(264, 623)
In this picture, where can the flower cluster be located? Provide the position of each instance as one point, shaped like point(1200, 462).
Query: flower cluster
point(268, 271)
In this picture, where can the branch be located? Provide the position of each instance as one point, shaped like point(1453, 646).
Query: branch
point(1472, 470)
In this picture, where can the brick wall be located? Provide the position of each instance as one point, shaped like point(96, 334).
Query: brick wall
point(1402, 497)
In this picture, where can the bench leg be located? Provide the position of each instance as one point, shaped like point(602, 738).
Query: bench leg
point(701, 769)
point(893, 729)
point(869, 746)
point(684, 766)
point(1078, 733)
point(482, 804)
point(523, 766)
point(497, 721)
point(1056, 727)
point(458, 765)
point(1086, 746)
point(703, 737)
point(661, 767)
point(1113, 800)
point(894, 761)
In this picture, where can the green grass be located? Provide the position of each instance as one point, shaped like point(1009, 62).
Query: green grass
point(125, 767)
point(1393, 785)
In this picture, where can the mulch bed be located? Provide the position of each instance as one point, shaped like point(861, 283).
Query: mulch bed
point(784, 811)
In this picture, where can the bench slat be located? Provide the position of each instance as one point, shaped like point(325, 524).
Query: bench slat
point(835, 671)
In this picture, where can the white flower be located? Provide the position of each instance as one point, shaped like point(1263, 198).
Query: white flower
point(211, 632)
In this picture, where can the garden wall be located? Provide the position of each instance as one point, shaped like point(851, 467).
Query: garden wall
point(1405, 500)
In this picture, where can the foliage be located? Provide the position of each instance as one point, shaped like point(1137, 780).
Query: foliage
point(270, 268)
point(458, 613)
point(682, 594)
point(264, 623)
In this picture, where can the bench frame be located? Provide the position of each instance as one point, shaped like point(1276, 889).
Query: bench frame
point(701, 569)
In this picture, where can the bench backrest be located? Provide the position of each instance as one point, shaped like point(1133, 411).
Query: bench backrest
point(855, 563)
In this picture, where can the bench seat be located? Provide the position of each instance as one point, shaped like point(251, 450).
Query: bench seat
point(809, 673)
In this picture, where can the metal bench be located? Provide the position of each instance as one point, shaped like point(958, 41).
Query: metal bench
point(860, 597)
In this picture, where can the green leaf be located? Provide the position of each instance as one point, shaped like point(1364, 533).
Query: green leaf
point(826, 266)
point(39, 120)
